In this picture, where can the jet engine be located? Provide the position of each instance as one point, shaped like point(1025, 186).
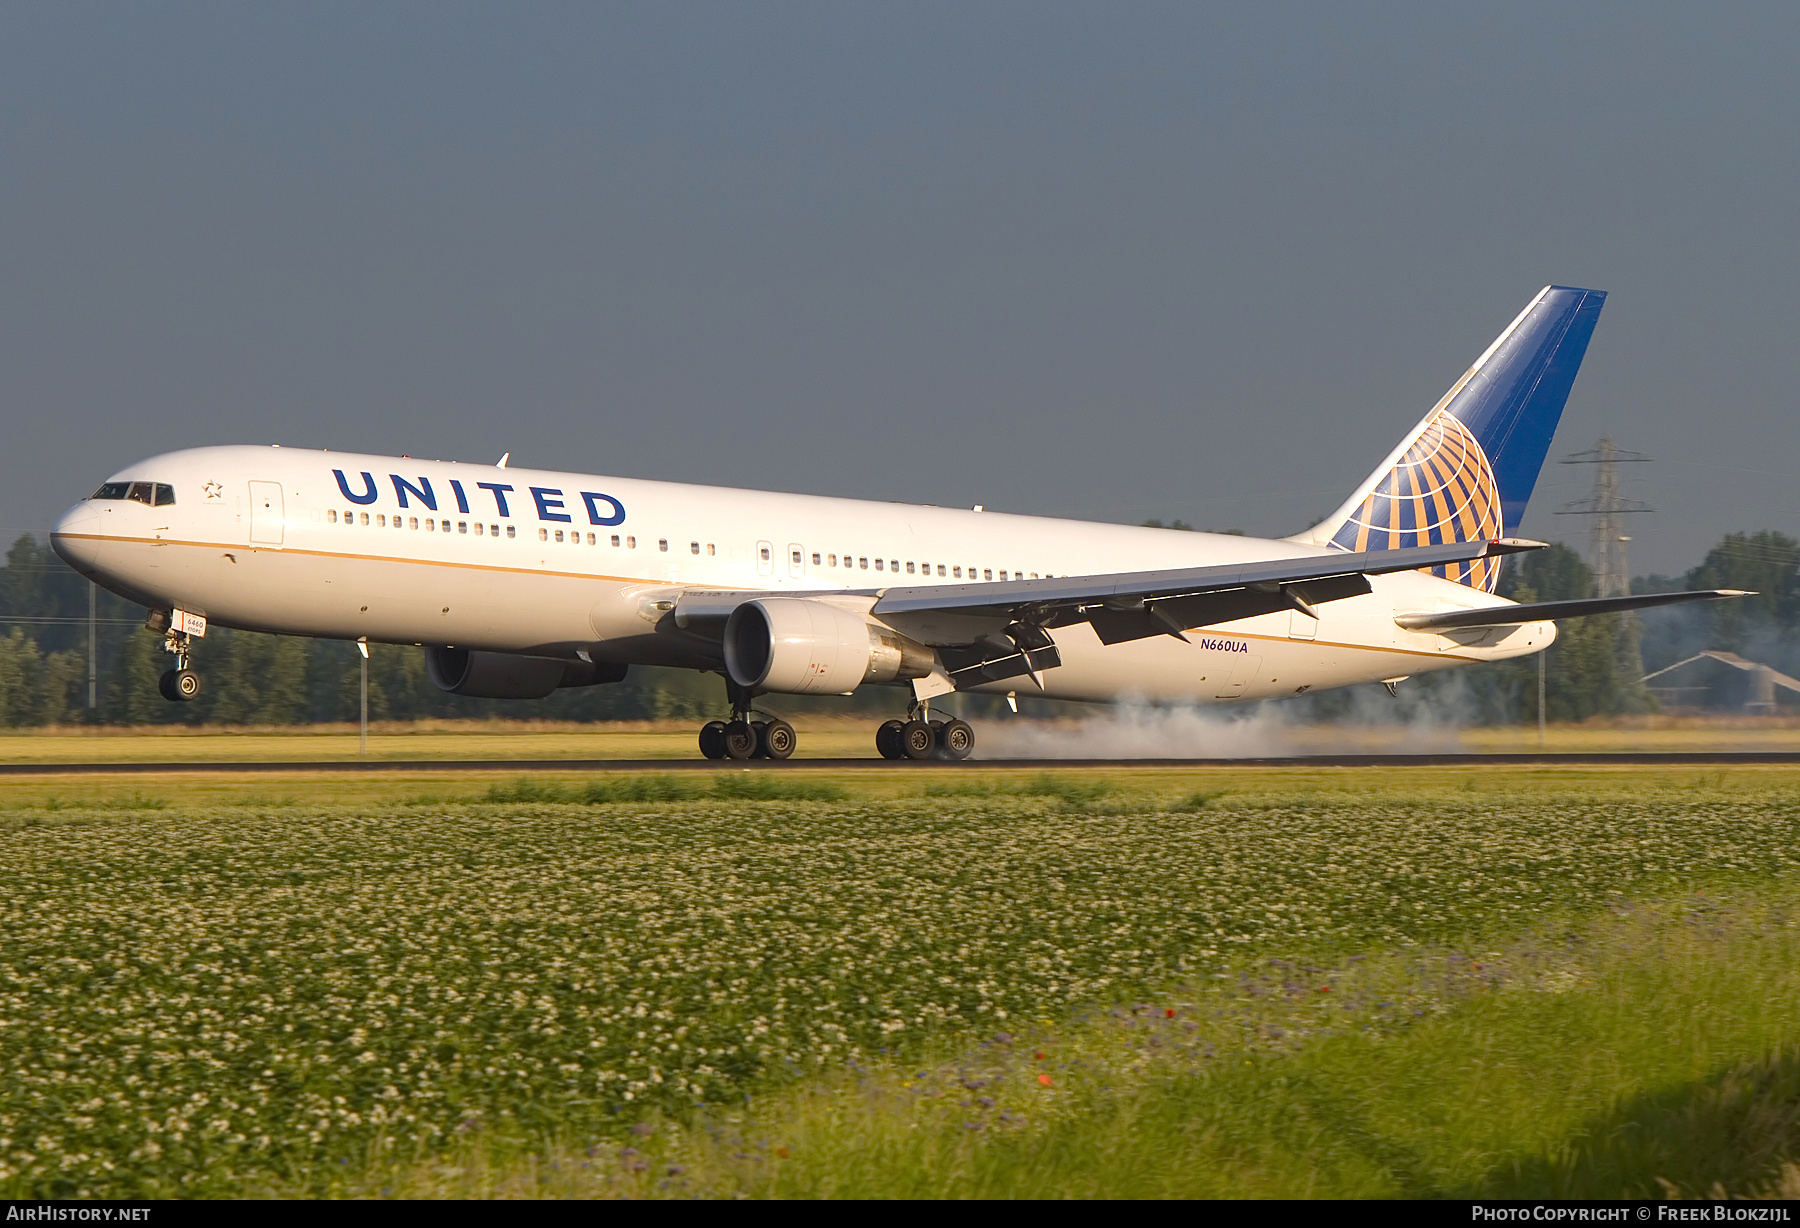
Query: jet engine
point(505, 675)
point(803, 647)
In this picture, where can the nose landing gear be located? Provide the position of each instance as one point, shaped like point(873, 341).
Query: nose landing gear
point(181, 684)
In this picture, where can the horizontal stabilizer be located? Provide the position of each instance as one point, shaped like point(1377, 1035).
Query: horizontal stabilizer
point(1544, 611)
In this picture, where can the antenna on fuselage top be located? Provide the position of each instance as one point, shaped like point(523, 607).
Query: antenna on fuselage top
point(504, 457)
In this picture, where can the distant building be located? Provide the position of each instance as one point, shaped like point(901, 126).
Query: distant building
point(1723, 682)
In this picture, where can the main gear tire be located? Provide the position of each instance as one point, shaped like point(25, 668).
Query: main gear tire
point(712, 739)
point(956, 739)
point(777, 740)
point(917, 740)
point(887, 740)
point(740, 740)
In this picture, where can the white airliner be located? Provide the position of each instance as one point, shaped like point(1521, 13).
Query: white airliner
point(517, 582)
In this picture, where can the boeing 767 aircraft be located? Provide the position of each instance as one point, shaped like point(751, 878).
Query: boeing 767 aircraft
point(517, 582)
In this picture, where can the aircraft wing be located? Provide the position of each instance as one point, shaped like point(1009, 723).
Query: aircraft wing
point(1133, 605)
point(995, 630)
point(1543, 611)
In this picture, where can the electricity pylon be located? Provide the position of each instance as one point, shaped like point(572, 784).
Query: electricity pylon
point(1612, 573)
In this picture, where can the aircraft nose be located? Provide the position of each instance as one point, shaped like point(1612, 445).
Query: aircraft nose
point(76, 538)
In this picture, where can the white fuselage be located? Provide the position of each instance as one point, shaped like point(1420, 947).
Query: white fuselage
point(516, 560)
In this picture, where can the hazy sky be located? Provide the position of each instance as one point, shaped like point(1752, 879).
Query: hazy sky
point(1106, 261)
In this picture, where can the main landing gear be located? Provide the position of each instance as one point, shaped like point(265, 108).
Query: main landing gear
point(916, 737)
point(744, 738)
point(920, 737)
point(180, 684)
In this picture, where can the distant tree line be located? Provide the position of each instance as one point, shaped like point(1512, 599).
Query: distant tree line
point(253, 679)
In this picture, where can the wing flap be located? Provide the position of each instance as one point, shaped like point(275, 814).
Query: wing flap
point(1543, 611)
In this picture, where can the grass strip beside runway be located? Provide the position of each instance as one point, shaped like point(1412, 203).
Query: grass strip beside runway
point(451, 985)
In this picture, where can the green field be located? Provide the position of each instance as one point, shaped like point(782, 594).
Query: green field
point(848, 736)
point(1143, 982)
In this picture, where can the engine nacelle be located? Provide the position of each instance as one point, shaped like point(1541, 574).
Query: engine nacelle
point(505, 675)
point(802, 647)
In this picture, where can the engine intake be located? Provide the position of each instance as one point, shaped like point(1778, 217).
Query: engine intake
point(505, 675)
point(802, 647)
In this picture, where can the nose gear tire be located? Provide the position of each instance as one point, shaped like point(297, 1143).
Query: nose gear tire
point(179, 685)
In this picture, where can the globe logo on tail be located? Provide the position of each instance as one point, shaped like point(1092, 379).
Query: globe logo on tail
point(1441, 490)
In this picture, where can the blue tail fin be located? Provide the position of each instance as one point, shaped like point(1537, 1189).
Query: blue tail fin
point(1467, 470)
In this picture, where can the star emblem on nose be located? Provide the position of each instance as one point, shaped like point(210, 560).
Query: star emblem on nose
point(213, 490)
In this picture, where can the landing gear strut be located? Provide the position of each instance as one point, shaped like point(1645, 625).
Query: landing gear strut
point(744, 738)
point(920, 737)
point(180, 684)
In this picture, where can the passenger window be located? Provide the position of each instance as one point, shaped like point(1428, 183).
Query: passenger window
point(591, 539)
point(831, 560)
point(165, 494)
point(765, 554)
point(710, 551)
point(987, 575)
point(380, 521)
point(365, 518)
point(462, 526)
point(512, 530)
point(478, 528)
point(940, 569)
point(796, 556)
point(956, 573)
point(631, 543)
point(815, 558)
point(662, 544)
point(615, 537)
point(693, 547)
point(877, 564)
point(444, 525)
point(543, 534)
point(493, 530)
point(864, 563)
point(331, 516)
point(412, 522)
point(559, 536)
point(1003, 573)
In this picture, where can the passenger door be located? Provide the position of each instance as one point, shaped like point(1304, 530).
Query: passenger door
point(268, 520)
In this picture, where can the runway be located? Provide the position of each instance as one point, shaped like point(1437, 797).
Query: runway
point(356, 766)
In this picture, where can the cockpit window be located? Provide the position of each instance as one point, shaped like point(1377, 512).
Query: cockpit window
point(150, 494)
